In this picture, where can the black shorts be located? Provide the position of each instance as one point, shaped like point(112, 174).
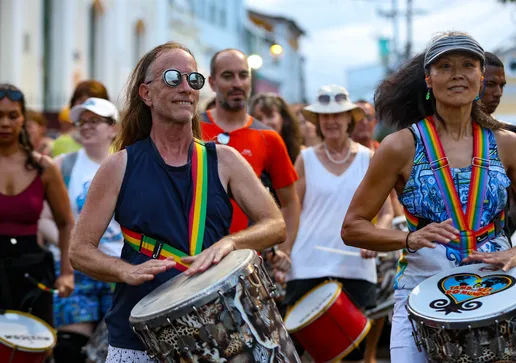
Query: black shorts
point(361, 292)
point(16, 291)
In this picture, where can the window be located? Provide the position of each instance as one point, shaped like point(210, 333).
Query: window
point(212, 13)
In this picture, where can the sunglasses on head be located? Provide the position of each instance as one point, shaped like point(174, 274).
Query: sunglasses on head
point(173, 78)
point(13, 95)
point(325, 99)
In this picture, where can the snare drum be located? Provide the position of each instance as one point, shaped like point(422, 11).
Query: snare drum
point(226, 314)
point(24, 338)
point(466, 314)
point(326, 323)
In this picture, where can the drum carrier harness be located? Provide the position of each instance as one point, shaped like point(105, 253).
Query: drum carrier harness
point(472, 234)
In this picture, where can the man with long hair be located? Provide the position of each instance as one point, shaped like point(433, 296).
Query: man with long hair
point(149, 186)
point(230, 124)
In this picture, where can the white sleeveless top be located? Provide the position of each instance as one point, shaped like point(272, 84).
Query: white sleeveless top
point(326, 201)
point(82, 174)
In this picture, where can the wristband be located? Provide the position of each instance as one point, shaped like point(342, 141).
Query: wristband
point(406, 244)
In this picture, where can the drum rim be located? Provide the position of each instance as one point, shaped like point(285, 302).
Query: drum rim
point(159, 319)
point(321, 312)
point(458, 325)
point(27, 349)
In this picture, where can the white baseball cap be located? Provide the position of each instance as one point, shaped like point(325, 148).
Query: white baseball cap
point(98, 106)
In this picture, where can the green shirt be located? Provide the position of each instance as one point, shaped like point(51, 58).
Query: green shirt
point(65, 144)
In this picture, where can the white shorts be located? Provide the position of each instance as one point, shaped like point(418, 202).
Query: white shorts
point(403, 347)
point(120, 355)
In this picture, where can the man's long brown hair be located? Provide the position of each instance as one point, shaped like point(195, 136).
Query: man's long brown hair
point(136, 120)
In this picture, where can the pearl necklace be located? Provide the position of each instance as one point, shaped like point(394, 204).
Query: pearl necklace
point(338, 162)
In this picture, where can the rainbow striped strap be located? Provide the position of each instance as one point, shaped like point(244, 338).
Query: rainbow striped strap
point(197, 216)
point(480, 236)
point(196, 221)
point(153, 248)
point(469, 222)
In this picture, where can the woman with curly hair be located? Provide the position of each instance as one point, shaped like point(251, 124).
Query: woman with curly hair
point(434, 101)
point(27, 180)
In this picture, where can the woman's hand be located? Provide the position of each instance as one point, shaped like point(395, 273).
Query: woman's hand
point(505, 259)
point(427, 236)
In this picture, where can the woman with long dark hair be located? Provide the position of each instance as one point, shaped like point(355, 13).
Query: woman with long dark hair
point(434, 101)
point(26, 181)
point(273, 111)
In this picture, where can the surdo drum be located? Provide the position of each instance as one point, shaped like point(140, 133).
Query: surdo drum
point(466, 314)
point(327, 323)
point(226, 314)
point(24, 338)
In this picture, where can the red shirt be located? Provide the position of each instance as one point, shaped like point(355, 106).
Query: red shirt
point(263, 148)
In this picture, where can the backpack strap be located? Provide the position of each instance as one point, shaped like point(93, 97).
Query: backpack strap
point(67, 166)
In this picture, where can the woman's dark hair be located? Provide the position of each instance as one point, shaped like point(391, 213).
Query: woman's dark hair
point(24, 138)
point(290, 132)
point(89, 88)
point(400, 100)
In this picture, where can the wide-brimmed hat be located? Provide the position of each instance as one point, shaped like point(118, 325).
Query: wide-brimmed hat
point(332, 99)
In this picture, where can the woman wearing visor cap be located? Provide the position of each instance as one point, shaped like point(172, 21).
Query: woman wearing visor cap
point(434, 101)
point(329, 174)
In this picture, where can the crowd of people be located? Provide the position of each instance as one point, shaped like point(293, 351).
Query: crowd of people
point(280, 179)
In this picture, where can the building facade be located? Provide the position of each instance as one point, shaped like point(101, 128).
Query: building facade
point(48, 46)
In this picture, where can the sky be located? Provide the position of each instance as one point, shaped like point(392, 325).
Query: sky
point(342, 35)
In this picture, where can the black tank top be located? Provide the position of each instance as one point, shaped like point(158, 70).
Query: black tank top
point(155, 200)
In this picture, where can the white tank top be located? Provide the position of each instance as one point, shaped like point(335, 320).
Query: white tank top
point(326, 201)
point(82, 174)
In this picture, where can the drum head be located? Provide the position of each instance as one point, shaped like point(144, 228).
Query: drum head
point(465, 296)
point(312, 305)
point(179, 295)
point(25, 332)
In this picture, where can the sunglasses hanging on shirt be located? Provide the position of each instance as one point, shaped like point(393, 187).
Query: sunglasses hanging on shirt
point(223, 138)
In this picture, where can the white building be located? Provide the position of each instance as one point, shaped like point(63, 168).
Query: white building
point(48, 46)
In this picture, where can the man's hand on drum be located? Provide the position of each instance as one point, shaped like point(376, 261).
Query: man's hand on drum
point(209, 256)
point(138, 274)
point(65, 284)
point(368, 253)
point(431, 234)
point(505, 259)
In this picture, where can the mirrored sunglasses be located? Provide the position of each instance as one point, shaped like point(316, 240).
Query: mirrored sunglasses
point(173, 78)
point(339, 98)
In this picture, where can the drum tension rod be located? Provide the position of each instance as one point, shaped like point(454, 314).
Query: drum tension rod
point(203, 326)
point(255, 308)
point(184, 349)
point(230, 312)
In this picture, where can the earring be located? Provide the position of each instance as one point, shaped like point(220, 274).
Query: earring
point(428, 94)
point(477, 98)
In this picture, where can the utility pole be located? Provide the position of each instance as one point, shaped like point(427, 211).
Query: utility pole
point(410, 13)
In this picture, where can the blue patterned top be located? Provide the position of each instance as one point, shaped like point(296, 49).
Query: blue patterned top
point(422, 197)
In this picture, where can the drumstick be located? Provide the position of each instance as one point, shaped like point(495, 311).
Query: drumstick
point(40, 285)
point(346, 253)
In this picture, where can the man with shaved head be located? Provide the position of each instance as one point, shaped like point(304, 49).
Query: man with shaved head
point(230, 124)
